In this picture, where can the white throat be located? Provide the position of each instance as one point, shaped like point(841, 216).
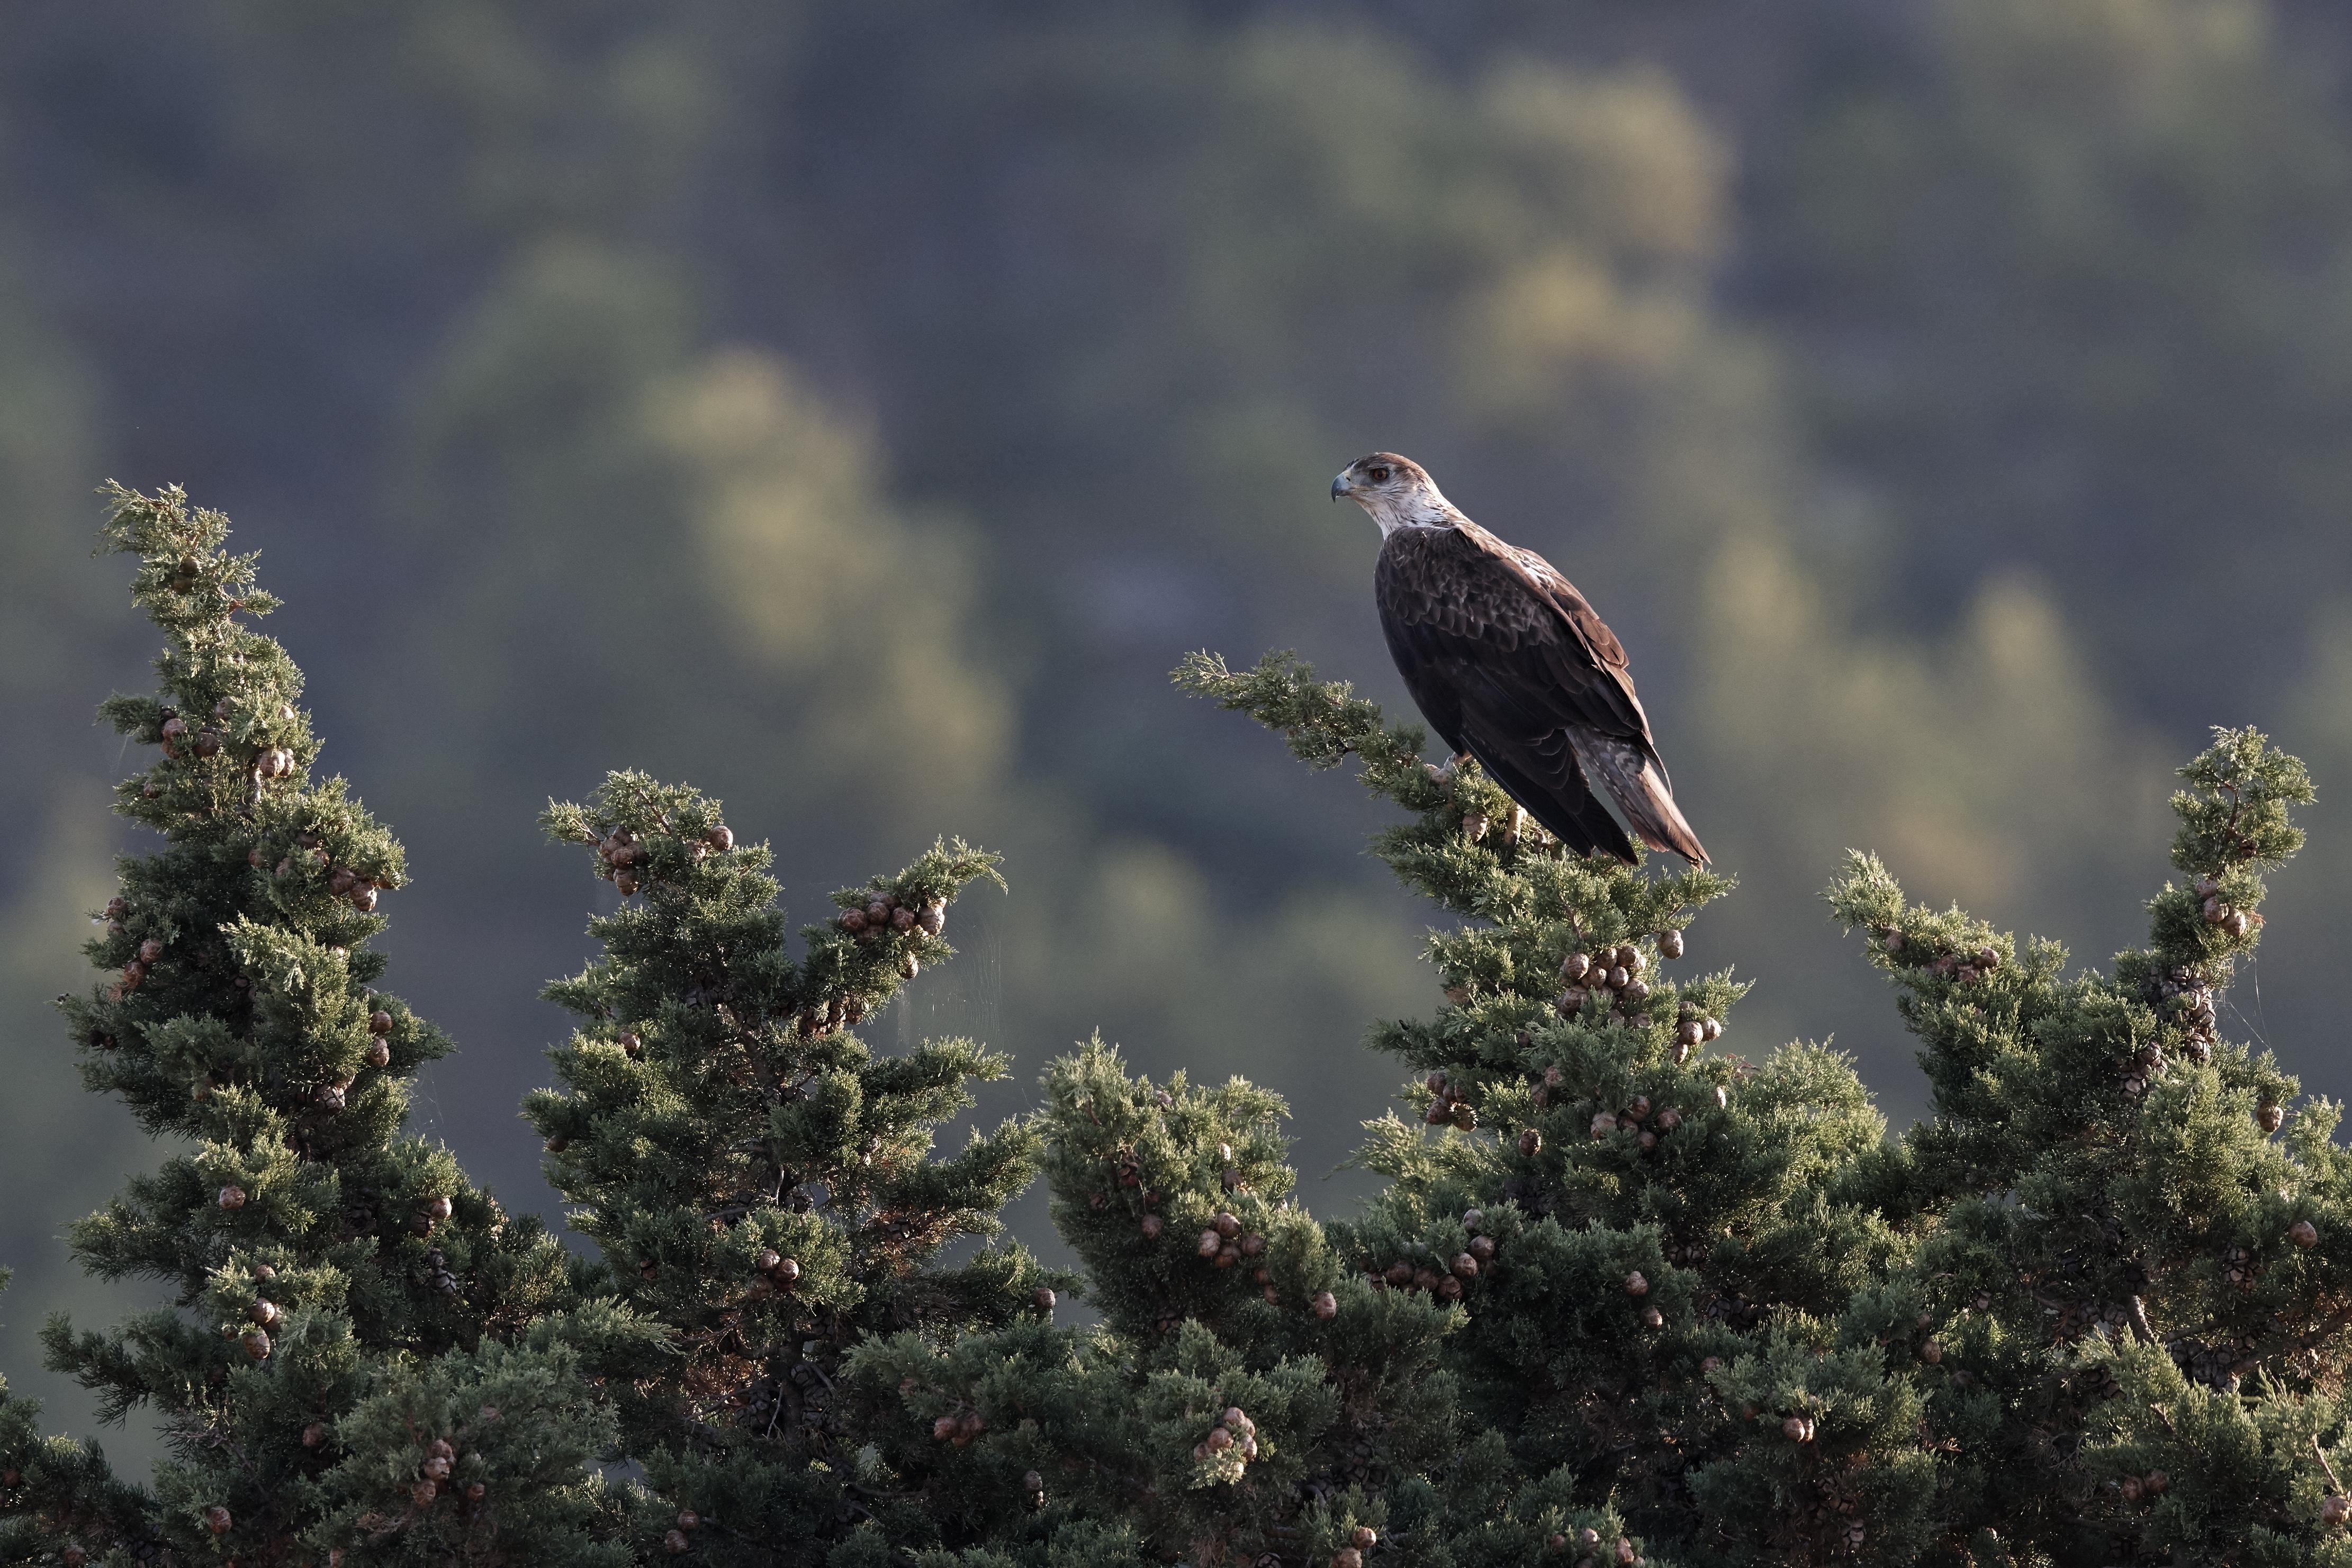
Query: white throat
point(1422, 507)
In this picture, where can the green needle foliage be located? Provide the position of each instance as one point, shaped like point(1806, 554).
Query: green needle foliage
point(1637, 1236)
point(2132, 1314)
point(323, 1268)
point(1627, 1296)
point(757, 1177)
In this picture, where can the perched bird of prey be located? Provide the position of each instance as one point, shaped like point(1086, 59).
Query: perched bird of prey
point(1512, 666)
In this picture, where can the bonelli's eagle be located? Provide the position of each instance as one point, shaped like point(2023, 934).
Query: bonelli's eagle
point(1512, 666)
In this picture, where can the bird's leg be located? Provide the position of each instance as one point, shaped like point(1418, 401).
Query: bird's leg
point(1445, 775)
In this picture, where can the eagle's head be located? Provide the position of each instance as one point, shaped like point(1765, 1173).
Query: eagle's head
point(1397, 491)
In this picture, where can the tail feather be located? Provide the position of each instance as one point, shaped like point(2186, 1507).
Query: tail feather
point(1630, 772)
point(1568, 811)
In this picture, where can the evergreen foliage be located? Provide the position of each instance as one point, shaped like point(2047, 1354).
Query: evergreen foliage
point(339, 1291)
point(1626, 1296)
point(1644, 1236)
point(756, 1176)
point(2125, 1258)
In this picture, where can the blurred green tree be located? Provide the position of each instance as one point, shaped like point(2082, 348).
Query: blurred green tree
point(1066, 315)
point(2065, 286)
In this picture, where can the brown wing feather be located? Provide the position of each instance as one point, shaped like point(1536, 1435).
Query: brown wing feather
point(1511, 663)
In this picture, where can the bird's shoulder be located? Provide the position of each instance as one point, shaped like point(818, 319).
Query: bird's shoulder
point(1565, 597)
point(1475, 581)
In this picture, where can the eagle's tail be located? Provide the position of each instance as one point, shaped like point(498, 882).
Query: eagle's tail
point(1567, 809)
point(1635, 779)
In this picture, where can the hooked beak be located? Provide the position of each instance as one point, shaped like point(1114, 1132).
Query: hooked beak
point(1340, 487)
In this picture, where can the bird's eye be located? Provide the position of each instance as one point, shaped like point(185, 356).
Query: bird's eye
point(1380, 476)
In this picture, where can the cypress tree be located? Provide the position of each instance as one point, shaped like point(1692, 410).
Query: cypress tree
point(1636, 1229)
point(756, 1176)
point(360, 1351)
point(2129, 1266)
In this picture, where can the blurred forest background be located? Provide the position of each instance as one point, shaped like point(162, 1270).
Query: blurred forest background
point(857, 408)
